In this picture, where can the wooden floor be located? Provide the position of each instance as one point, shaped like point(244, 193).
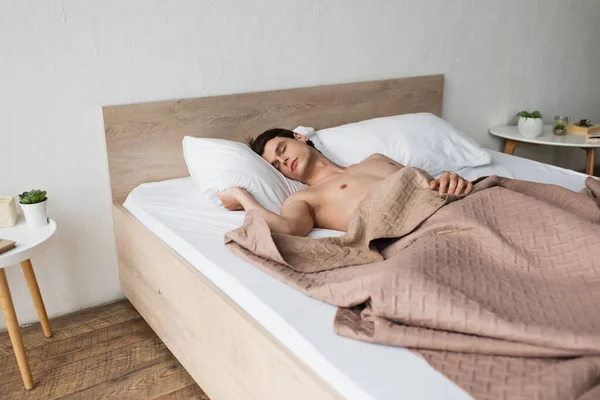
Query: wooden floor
point(107, 352)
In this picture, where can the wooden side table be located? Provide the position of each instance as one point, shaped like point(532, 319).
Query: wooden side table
point(29, 242)
point(513, 137)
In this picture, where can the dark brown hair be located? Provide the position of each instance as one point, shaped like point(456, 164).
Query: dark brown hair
point(258, 143)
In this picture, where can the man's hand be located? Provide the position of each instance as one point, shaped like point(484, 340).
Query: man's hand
point(231, 198)
point(451, 184)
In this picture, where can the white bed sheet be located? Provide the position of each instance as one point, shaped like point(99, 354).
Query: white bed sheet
point(357, 370)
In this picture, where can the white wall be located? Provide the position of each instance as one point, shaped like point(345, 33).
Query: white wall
point(60, 61)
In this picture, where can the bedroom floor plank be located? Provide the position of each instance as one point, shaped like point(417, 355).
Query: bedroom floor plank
point(104, 352)
point(192, 392)
point(79, 348)
point(74, 324)
point(148, 383)
point(72, 377)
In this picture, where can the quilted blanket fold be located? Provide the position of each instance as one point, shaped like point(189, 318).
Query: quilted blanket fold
point(499, 290)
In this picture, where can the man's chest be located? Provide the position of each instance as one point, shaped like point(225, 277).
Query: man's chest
point(334, 201)
point(356, 181)
point(342, 194)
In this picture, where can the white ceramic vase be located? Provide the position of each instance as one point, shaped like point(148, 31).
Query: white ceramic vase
point(36, 214)
point(530, 127)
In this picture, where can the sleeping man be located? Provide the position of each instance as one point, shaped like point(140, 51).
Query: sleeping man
point(334, 192)
point(508, 275)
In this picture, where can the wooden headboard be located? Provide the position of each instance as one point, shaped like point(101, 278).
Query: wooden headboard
point(143, 141)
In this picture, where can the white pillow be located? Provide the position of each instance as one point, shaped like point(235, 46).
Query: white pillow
point(415, 140)
point(217, 164)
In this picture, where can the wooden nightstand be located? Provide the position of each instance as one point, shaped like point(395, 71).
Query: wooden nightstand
point(513, 137)
point(29, 242)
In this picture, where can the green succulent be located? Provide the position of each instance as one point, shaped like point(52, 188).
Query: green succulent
point(32, 197)
point(526, 114)
point(559, 127)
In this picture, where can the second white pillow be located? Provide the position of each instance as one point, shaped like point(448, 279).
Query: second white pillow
point(420, 140)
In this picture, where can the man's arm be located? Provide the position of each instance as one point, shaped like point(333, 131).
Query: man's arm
point(296, 215)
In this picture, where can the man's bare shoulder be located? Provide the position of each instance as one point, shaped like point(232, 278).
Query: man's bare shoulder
point(303, 195)
point(303, 199)
point(378, 158)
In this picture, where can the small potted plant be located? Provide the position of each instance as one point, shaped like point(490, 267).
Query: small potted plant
point(530, 123)
point(34, 205)
point(559, 126)
point(559, 129)
point(584, 127)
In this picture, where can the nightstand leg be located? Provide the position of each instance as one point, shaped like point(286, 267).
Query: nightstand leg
point(14, 332)
point(34, 289)
point(509, 147)
point(589, 165)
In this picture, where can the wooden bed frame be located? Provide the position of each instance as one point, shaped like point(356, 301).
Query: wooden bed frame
point(225, 350)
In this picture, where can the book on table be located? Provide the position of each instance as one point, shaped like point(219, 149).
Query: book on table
point(6, 245)
point(593, 138)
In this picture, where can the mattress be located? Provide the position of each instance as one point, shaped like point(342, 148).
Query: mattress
point(357, 370)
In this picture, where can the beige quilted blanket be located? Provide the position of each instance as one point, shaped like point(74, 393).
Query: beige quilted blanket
point(499, 290)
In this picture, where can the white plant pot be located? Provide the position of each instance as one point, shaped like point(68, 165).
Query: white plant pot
point(36, 215)
point(530, 127)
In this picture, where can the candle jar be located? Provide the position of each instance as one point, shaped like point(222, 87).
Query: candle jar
point(8, 212)
point(559, 127)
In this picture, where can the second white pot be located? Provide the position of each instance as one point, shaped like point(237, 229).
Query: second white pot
point(36, 215)
point(530, 127)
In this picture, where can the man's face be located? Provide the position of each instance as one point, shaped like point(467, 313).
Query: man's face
point(292, 157)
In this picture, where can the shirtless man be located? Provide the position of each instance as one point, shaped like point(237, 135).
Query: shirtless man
point(334, 192)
